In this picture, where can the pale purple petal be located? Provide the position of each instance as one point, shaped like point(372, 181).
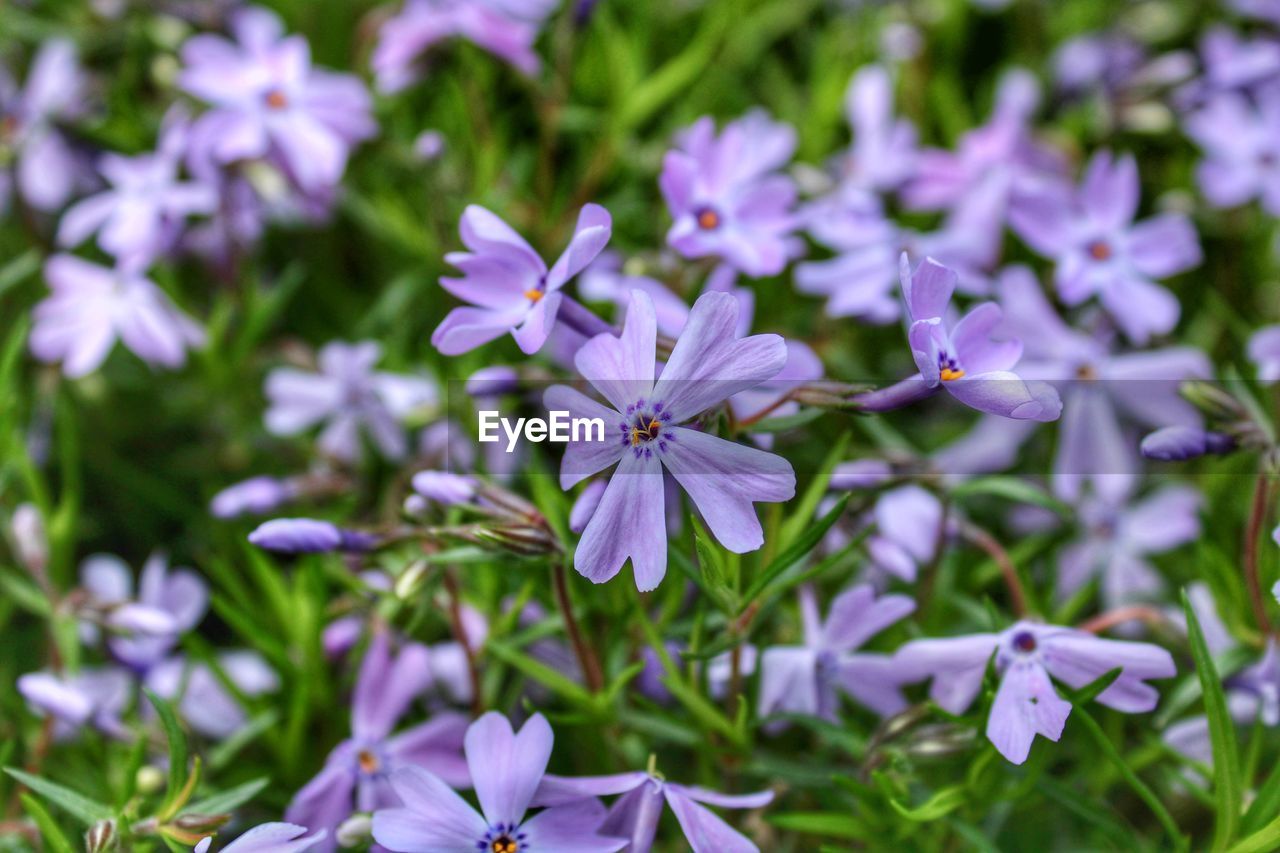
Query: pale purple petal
point(1025, 706)
point(506, 767)
point(628, 523)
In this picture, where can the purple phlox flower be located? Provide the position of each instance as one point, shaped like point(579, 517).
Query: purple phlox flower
point(445, 488)
point(91, 306)
point(1180, 443)
point(200, 694)
point(883, 153)
point(719, 670)
point(977, 182)
point(1241, 144)
point(1097, 61)
point(91, 697)
point(308, 536)
point(46, 169)
point(807, 679)
point(635, 815)
point(1264, 352)
point(1264, 10)
point(908, 533)
point(606, 280)
point(505, 28)
point(991, 446)
point(428, 145)
point(359, 773)
point(1118, 539)
point(650, 682)
point(254, 496)
point(349, 397)
point(269, 838)
point(1100, 251)
point(726, 194)
point(508, 284)
point(965, 359)
point(140, 214)
point(708, 364)
point(1235, 61)
point(270, 102)
point(1026, 656)
point(506, 770)
point(177, 598)
point(1102, 391)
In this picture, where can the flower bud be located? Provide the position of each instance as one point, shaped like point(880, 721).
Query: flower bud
point(444, 488)
point(1213, 401)
point(254, 496)
point(29, 540)
point(308, 536)
point(411, 580)
point(150, 779)
point(523, 539)
point(100, 837)
point(354, 831)
point(1179, 443)
point(200, 823)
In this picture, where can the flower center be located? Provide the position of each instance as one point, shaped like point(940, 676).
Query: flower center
point(1086, 373)
point(533, 295)
point(1025, 642)
point(368, 762)
point(276, 99)
point(948, 368)
point(1100, 250)
point(708, 219)
point(502, 838)
point(644, 426)
point(504, 844)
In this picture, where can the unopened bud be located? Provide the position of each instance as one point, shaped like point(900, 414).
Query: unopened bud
point(411, 580)
point(101, 836)
point(1213, 401)
point(29, 540)
point(354, 831)
point(200, 823)
point(523, 539)
point(150, 779)
point(1179, 443)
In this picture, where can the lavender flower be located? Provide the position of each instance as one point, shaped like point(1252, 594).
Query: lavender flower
point(508, 283)
point(909, 523)
point(636, 813)
point(1241, 143)
point(505, 28)
point(269, 102)
point(202, 698)
point(92, 306)
point(506, 769)
point(46, 170)
point(270, 838)
point(806, 679)
point(94, 697)
point(726, 195)
point(883, 153)
point(444, 488)
point(1118, 538)
point(965, 359)
point(1264, 352)
point(253, 496)
point(1180, 443)
point(708, 364)
point(307, 536)
point(349, 397)
point(1101, 252)
point(361, 773)
point(141, 213)
point(1026, 656)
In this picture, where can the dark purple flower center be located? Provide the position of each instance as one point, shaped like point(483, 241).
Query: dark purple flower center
point(1100, 250)
point(502, 838)
point(643, 427)
point(948, 367)
point(1025, 642)
point(707, 217)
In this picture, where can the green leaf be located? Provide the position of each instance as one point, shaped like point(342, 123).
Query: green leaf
point(177, 749)
point(229, 800)
point(943, 802)
point(54, 840)
point(1265, 804)
point(813, 495)
point(1222, 734)
point(796, 551)
point(1267, 838)
point(77, 805)
point(786, 422)
point(24, 593)
point(833, 824)
point(548, 677)
point(1010, 488)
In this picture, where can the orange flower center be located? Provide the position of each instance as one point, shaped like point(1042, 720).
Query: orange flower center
point(533, 295)
point(708, 219)
point(368, 761)
point(948, 374)
point(277, 100)
point(1099, 250)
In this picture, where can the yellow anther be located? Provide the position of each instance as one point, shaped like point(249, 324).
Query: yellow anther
point(948, 374)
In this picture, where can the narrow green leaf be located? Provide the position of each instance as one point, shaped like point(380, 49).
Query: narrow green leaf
point(1264, 805)
point(54, 840)
point(77, 805)
point(1267, 838)
point(831, 824)
point(228, 800)
point(813, 495)
point(1222, 734)
point(796, 551)
point(942, 802)
point(1010, 488)
point(177, 748)
point(786, 422)
point(552, 679)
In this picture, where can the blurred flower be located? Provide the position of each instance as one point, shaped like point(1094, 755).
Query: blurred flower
point(727, 196)
point(270, 838)
point(180, 597)
point(358, 774)
point(505, 28)
point(708, 364)
point(141, 214)
point(635, 815)
point(308, 536)
point(606, 280)
point(506, 769)
point(1118, 538)
point(91, 697)
point(46, 170)
point(1233, 61)
point(200, 696)
point(1241, 143)
point(30, 542)
point(444, 488)
point(1098, 388)
point(806, 679)
point(1104, 60)
point(268, 101)
point(1100, 252)
point(883, 153)
point(966, 360)
point(908, 531)
point(93, 306)
point(1266, 10)
point(428, 145)
point(349, 396)
point(1026, 656)
point(1180, 443)
point(507, 282)
point(253, 496)
point(1264, 352)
